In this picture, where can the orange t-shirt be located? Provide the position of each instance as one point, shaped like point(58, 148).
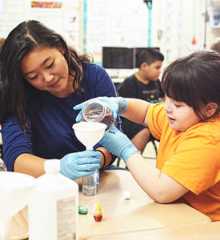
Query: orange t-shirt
point(191, 158)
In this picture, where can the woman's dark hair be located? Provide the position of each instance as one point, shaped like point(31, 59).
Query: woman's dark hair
point(20, 41)
point(195, 80)
point(2, 40)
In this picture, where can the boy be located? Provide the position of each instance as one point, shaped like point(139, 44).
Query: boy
point(144, 84)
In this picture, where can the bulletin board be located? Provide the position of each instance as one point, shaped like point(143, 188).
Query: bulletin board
point(62, 16)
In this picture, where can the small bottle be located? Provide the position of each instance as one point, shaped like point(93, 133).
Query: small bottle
point(53, 207)
point(95, 111)
point(98, 213)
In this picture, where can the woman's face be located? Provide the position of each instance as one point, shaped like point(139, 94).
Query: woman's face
point(180, 115)
point(46, 69)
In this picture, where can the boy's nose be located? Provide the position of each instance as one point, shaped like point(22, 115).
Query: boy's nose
point(167, 106)
point(168, 110)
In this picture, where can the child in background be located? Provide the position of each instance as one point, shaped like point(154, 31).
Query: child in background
point(188, 127)
point(144, 84)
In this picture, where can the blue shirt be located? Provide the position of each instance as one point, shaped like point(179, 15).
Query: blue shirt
point(50, 134)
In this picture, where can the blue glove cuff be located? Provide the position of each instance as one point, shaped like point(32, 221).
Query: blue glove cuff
point(123, 104)
point(127, 153)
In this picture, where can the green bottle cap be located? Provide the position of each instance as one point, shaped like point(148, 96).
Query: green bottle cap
point(83, 210)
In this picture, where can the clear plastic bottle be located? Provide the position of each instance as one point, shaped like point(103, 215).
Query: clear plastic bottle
point(95, 111)
point(53, 208)
point(90, 184)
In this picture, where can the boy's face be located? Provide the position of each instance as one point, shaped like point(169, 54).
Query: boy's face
point(180, 115)
point(151, 71)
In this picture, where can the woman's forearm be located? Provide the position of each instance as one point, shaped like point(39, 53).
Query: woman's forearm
point(29, 164)
point(34, 166)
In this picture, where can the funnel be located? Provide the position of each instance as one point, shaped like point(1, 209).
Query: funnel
point(15, 189)
point(89, 133)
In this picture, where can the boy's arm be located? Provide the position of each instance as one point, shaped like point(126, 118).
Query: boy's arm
point(157, 185)
point(136, 110)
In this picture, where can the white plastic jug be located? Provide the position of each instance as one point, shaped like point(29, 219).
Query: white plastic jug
point(15, 189)
point(53, 208)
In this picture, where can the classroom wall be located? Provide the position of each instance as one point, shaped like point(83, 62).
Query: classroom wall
point(178, 26)
point(62, 16)
point(115, 23)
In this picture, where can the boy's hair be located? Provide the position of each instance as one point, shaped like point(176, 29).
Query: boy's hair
point(148, 56)
point(195, 80)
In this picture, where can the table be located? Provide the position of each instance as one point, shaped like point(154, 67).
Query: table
point(137, 218)
point(139, 214)
point(202, 231)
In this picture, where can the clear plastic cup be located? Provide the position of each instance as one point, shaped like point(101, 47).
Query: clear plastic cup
point(90, 184)
point(97, 112)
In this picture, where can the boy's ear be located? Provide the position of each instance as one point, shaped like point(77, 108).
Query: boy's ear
point(144, 65)
point(211, 109)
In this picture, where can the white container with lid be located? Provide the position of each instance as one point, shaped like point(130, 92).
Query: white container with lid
point(53, 208)
point(15, 189)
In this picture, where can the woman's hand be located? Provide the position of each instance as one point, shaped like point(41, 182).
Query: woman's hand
point(75, 165)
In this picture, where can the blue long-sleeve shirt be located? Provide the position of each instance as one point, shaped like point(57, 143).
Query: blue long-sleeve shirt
point(50, 134)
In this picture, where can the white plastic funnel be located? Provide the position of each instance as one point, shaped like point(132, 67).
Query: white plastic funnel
point(15, 189)
point(89, 133)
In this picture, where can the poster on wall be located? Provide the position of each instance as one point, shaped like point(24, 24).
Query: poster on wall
point(61, 16)
point(45, 4)
point(44, 11)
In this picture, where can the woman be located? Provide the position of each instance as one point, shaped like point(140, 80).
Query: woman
point(41, 80)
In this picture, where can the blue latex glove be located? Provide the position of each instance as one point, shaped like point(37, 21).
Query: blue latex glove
point(118, 144)
point(117, 105)
point(75, 165)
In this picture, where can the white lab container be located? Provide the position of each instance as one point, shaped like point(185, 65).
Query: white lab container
point(53, 208)
point(15, 189)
